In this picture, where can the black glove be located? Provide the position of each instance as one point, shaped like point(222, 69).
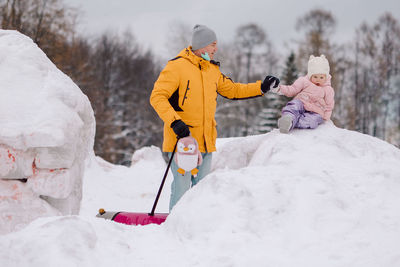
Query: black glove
point(180, 128)
point(268, 81)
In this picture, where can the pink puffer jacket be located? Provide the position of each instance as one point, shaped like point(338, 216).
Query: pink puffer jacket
point(319, 99)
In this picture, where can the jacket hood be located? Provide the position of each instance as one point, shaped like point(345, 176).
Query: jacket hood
point(188, 54)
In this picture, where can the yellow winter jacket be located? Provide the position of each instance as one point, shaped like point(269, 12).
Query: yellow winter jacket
point(187, 90)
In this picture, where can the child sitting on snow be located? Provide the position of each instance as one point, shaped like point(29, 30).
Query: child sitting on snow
point(313, 97)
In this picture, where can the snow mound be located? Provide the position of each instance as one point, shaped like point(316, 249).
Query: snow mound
point(324, 197)
point(46, 131)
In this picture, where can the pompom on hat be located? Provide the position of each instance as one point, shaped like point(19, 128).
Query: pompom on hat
point(318, 65)
point(202, 36)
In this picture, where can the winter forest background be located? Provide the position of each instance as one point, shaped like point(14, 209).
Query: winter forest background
point(117, 74)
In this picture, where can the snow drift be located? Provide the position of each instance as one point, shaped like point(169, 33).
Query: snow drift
point(323, 197)
point(46, 131)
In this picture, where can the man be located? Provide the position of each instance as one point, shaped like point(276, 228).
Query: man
point(185, 98)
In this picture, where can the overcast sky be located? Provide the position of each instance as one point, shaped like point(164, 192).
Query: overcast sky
point(149, 19)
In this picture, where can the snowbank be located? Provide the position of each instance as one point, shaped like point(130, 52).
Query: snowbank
point(324, 197)
point(46, 131)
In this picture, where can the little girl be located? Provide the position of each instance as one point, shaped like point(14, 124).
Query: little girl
point(313, 97)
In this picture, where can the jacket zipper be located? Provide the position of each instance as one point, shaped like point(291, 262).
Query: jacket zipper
point(184, 97)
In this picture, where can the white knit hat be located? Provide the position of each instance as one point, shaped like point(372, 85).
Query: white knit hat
point(318, 65)
point(202, 36)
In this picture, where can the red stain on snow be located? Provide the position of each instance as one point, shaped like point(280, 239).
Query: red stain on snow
point(10, 156)
point(34, 169)
point(16, 196)
point(59, 170)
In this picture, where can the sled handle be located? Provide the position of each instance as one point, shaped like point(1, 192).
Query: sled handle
point(163, 181)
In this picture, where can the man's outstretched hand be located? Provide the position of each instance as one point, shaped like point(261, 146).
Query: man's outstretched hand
point(268, 82)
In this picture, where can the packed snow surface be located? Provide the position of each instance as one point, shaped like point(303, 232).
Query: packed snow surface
point(47, 130)
point(323, 197)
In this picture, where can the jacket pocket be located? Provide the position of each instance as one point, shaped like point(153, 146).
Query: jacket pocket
point(186, 91)
point(191, 123)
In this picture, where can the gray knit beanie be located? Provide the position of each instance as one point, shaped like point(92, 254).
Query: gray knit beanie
point(202, 36)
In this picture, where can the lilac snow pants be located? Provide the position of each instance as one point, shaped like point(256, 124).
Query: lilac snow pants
point(302, 118)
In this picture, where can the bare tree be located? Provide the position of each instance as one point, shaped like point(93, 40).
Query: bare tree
point(50, 23)
point(248, 58)
point(126, 76)
point(318, 26)
point(248, 38)
point(178, 36)
point(377, 55)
